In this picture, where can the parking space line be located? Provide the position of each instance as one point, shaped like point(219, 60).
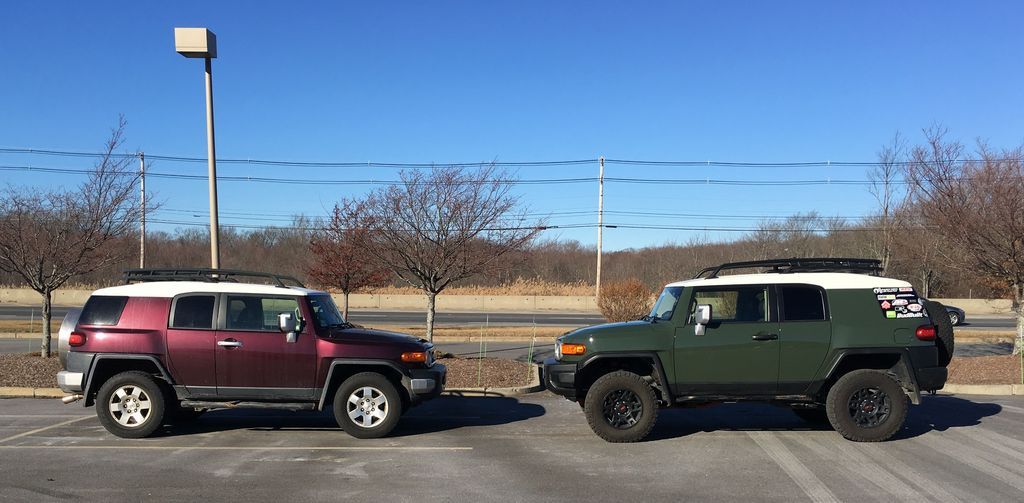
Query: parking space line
point(238, 448)
point(38, 430)
point(973, 458)
point(1012, 408)
point(812, 486)
point(857, 466)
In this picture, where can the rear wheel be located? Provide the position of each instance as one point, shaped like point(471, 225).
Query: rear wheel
point(367, 405)
point(866, 406)
point(954, 318)
point(130, 405)
point(621, 407)
point(943, 330)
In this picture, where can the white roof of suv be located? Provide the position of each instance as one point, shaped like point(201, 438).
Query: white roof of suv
point(174, 288)
point(826, 280)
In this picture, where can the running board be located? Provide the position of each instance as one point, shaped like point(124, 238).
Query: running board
point(199, 404)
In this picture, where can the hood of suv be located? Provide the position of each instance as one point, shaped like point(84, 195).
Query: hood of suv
point(622, 327)
point(370, 335)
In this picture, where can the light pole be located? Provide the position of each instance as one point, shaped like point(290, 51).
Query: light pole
point(202, 43)
point(600, 226)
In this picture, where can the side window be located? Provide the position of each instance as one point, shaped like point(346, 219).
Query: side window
point(743, 304)
point(802, 303)
point(250, 312)
point(193, 311)
point(102, 311)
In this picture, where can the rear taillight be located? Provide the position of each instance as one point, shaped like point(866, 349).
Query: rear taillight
point(925, 332)
point(76, 339)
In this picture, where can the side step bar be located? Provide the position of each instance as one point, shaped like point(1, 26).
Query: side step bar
point(249, 405)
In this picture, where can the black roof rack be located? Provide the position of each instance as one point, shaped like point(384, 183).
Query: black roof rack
point(787, 265)
point(207, 275)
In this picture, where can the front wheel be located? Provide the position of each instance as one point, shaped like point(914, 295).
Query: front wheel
point(621, 407)
point(866, 406)
point(367, 405)
point(130, 405)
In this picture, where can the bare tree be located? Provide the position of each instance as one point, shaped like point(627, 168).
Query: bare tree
point(339, 258)
point(886, 178)
point(977, 207)
point(50, 237)
point(436, 228)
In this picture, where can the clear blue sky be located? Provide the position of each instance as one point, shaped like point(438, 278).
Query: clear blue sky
point(518, 81)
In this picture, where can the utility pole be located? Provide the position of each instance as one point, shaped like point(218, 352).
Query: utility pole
point(212, 162)
point(142, 220)
point(600, 224)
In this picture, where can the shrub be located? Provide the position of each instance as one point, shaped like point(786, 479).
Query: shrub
point(624, 300)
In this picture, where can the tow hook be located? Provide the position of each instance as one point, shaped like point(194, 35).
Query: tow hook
point(71, 399)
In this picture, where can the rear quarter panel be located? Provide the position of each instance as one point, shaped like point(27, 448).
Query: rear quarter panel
point(140, 329)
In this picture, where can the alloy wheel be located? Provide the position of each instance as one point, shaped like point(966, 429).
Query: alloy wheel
point(130, 406)
point(869, 407)
point(622, 409)
point(367, 407)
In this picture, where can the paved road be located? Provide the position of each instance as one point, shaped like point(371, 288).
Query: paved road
point(535, 448)
point(370, 317)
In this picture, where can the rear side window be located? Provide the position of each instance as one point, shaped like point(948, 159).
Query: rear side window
point(194, 311)
point(103, 311)
point(802, 303)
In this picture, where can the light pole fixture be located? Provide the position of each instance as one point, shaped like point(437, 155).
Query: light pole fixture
point(202, 43)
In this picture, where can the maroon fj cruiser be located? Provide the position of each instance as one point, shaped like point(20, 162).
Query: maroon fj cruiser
point(172, 343)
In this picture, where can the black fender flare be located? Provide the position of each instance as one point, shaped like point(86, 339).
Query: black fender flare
point(902, 369)
point(406, 382)
point(100, 357)
point(651, 356)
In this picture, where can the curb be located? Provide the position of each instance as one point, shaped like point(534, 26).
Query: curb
point(984, 389)
point(534, 386)
point(15, 392)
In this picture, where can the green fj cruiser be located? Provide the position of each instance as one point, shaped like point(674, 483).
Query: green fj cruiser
point(829, 338)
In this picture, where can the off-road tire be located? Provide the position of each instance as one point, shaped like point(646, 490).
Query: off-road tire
point(943, 330)
point(148, 388)
point(841, 401)
point(633, 385)
point(381, 384)
point(812, 415)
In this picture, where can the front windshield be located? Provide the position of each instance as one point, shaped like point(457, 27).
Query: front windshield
point(325, 313)
point(666, 303)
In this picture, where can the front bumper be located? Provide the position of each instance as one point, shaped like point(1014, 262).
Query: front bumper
point(70, 382)
point(560, 378)
point(427, 383)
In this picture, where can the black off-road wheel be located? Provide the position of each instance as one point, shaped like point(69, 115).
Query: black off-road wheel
point(130, 405)
point(367, 405)
point(943, 330)
point(866, 406)
point(621, 407)
point(815, 415)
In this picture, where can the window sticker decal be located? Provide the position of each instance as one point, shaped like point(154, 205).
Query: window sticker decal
point(899, 303)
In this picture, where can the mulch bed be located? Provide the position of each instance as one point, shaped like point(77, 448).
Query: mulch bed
point(485, 372)
point(29, 370)
point(1001, 369)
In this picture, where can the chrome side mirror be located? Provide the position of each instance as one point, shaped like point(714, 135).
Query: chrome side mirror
point(701, 318)
point(287, 324)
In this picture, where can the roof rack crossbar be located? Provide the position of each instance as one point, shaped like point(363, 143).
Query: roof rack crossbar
point(207, 275)
point(828, 264)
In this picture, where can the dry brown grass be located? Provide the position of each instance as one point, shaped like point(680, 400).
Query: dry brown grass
point(473, 334)
point(961, 334)
point(521, 286)
point(24, 326)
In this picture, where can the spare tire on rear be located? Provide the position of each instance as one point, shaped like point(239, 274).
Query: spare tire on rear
point(943, 330)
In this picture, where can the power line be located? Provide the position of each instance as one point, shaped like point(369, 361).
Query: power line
point(430, 165)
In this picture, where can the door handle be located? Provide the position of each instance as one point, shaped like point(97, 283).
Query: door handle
point(765, 337)
point(229, 343)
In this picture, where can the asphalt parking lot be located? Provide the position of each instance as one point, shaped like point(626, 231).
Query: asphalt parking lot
point(537, 447)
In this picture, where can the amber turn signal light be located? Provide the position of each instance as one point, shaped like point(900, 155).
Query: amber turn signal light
point(573, 349)
point(414, 357)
